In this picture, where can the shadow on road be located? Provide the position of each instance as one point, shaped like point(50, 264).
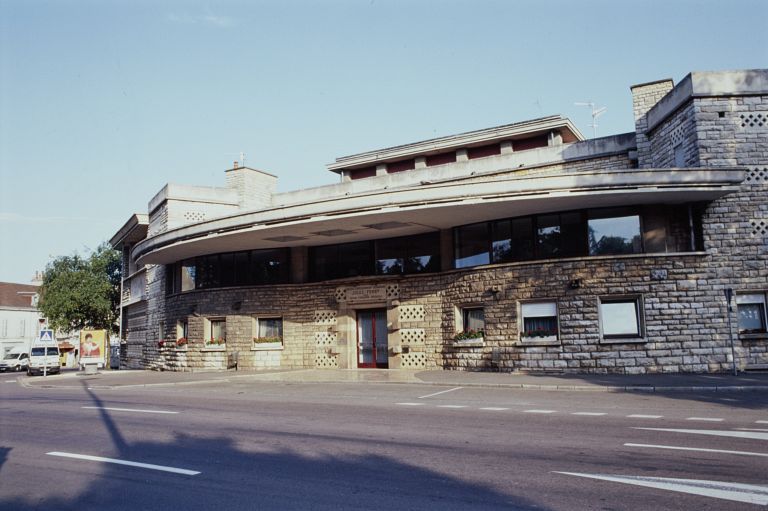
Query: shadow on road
point(260, 476)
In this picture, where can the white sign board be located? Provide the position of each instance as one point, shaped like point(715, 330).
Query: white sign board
point(47, 336)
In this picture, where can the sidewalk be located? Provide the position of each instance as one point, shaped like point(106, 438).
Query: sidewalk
point(604, 383)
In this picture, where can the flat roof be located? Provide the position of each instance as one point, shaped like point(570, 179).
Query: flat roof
point(467, 139)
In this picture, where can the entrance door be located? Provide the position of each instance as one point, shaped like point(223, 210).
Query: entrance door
point(372, 338)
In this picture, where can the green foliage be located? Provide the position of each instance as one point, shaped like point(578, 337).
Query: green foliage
point(82, 293)
point(468, 334)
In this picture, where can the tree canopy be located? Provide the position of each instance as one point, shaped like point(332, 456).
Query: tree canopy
point(80, 292)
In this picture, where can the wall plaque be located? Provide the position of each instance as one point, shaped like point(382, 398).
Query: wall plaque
point(365, 294)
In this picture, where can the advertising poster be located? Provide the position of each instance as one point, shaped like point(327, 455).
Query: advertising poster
point(92, 346)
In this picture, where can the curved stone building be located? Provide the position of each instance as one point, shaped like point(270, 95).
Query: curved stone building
point(518, 247)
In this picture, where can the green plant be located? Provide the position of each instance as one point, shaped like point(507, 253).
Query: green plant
point(265, 340)
point(468, 334)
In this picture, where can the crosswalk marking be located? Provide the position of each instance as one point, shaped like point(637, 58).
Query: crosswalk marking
point(738, 492)
point(700, 449)
point(755, 435)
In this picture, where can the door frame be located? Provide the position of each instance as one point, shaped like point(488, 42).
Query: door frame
point(376, 364)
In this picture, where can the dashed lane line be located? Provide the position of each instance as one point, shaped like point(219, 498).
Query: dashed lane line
point(751, 429)
point(700, 449)
point(438, 393)
point(539, 411)
point(451, 406)
point(761, 422)
point(494, 408)
point(705, 419)
point(149, 466)
point(410, 404)
point(590, 414)
point(136, 410)
point(641, 416)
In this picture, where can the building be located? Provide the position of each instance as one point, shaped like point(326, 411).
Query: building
point(20, 321)
point(518, 247)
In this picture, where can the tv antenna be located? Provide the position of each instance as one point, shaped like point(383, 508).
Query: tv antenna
point(242, 157)
point(596, 112)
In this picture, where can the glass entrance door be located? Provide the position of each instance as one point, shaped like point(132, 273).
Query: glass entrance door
point(372, 338)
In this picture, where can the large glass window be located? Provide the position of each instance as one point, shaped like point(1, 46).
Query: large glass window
point(390, 256)
point(512, 240)
point(472, 245)
point(614, 232)
point(188, 275)
point(423, 253)
point(752, 313)
point(559, 235)
point(621, 317)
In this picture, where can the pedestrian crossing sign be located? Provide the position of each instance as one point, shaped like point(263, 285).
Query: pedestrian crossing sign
point(47, 335)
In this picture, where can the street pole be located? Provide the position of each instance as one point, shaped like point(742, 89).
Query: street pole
point(729, 298)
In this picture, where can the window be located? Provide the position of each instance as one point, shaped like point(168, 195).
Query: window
point(621, 317)
point(471, 325)
point(182, 333)
point(411, 254)
point(268, 330)
point(679, 156)
point(613, 232)
point(559, 235)
point(216, 334)
point(512, 240)
point(472, 243)
point(752, 313)
point(538, 321)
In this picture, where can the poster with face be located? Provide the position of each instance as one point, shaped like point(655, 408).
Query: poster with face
point(92, 346)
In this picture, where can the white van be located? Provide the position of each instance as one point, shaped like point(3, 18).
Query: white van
point(43, 357)
point(15, 360)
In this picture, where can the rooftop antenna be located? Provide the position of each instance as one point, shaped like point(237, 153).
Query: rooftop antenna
point(242, 158)
point(596, 112)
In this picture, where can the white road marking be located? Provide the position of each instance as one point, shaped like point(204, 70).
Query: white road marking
point(738, 492)
point(704, 419)
point(451, 406)
point(591, 414)
point(494, 408)
point(410, 404)
point(761, 422)
point(125, 409)
point(720, 451)
point(715, 432)
point(640, 416)
point(123, 462)
point(10, 381)
point(539, 411)
point(438, 393)
point(751, 429)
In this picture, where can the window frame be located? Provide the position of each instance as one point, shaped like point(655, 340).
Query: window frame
point(620, 338)
point(261, 345)
point(460, 315)
point(182, 332)
point(208, 334)
point(533, 340)
point(762, 332)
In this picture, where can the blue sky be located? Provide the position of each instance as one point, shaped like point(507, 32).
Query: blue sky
point(103, 102)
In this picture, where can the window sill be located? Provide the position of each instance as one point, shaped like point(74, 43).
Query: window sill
point(469, 343)
point(268, 347)
point(541, 341)
point(623, 340)
point(182, 350)
point(210, 348)
point(754, 337)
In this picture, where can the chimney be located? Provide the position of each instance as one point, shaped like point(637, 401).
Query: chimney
point(236, 164)
point(644, 97)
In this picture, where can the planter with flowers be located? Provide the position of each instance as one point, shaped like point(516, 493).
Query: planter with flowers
point(469, 337)
point(216, 344)
point(182, 343)
point(539, 335)
point(268, 343)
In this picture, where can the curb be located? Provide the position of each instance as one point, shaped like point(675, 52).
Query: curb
point(515, 386)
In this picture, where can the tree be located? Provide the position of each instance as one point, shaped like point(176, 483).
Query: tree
point(80, 293)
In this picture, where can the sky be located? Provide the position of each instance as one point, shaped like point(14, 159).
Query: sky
point(103, 102)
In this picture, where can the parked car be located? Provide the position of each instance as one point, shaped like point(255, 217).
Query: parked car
point(14, 361)
point(44, 358)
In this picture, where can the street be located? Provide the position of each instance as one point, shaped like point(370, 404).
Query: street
point(291, 445)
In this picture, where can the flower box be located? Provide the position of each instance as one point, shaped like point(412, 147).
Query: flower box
point(469, 335)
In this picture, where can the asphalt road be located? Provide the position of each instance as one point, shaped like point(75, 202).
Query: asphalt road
point(259, 445)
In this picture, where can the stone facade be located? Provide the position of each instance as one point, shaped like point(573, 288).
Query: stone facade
point(680, 289)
